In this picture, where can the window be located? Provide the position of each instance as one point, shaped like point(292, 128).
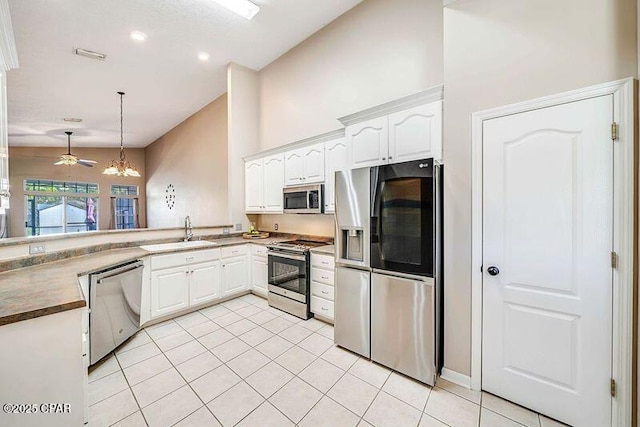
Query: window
point(54, 207)
point(124, 207)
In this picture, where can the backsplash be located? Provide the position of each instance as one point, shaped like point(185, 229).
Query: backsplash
point(311, 224)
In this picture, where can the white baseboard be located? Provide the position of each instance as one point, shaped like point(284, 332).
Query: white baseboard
point(456, 378)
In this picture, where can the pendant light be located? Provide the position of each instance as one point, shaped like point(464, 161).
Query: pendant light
point(121, 167)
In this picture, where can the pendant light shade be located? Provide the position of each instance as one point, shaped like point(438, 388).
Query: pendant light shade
point(121, 167)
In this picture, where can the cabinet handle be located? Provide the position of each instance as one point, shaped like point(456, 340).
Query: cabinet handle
point(324, 308)
point(325, 277)
point(190, 258)
point(390, 157)
point(325, 292)
point(324, 263)
point(384, 158)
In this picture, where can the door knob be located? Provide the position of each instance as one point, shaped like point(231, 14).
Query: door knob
point(493, 271)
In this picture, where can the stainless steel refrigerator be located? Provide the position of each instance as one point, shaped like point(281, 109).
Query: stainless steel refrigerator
point(388, 257)
point(352, 328)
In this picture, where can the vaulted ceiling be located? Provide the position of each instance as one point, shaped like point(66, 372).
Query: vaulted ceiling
point(163, 78)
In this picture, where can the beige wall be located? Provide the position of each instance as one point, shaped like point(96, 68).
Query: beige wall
point(37, 163)
point(378, 51)
point(193, 157)
point(498, 52)
point(242, 85)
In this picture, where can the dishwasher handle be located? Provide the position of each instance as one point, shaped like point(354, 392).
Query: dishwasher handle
point(118, 270)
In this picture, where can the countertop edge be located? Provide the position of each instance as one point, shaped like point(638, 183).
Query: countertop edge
point(18, 317)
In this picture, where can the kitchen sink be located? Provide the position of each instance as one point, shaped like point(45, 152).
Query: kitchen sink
point(177, 245)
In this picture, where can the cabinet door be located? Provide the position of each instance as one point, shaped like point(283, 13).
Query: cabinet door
point(313, 163)
point(234, 275)
point(416, 133)
point(368, 143)
point(204, 282)
point(293, 167)
point(273, 183)
point(169, 291)
point(253, 186)
point(336, 159)
point(259, 275)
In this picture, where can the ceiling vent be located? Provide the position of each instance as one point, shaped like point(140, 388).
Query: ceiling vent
point(89, 54)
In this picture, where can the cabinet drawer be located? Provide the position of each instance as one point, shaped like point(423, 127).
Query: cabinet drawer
point(232, 251)
point(259, 250)
point(322, 307)
point(159, 262)
point(322, 261)
point(322, 291)
point(322, 276)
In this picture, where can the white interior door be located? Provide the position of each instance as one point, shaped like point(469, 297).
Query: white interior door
point(547, 228)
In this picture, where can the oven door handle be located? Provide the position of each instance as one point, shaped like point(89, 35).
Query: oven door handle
point(288, 256)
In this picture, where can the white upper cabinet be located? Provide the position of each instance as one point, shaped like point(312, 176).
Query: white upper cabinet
point(293, 167)
point(253, 182)
point(402, 130)
point(313, 156)
point(263, 183)
point(416, 133)
point(336, 158)
point(304, 165)
point(368, 142)
point(273, 180)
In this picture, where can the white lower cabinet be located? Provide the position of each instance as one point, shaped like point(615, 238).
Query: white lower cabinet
point(192, 278)
point(322, 285)
point(234, 275)
point(259, 275)
point(184, 279)
point(205, 282)
point(169, 290)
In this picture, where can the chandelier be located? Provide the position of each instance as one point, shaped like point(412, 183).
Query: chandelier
point(121, 167)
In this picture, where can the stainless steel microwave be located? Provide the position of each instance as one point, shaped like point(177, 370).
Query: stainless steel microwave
point(304, 199)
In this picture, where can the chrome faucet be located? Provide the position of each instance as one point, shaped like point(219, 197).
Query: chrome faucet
point(188, 231)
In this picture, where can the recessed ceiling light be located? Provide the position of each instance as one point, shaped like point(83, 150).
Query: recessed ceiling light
point(203, 56)
point(138, 36)
point(72, 119)
point(244, 8)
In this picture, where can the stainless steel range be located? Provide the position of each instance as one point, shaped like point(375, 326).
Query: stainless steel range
point(289, 277)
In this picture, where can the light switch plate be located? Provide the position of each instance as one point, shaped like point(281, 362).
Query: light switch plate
point(37, 249)
point(238, 227)
point(275, 226)
point(225, 230)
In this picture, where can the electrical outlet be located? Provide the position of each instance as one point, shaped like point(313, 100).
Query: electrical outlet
point(238, 227)
point(37, 249)
point(275, 226)
point(225, 230)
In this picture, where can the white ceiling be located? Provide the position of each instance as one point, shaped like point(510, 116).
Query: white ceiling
point(163, 79)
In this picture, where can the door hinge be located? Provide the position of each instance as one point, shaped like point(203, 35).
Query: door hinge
point(614, 260)
point(614, 131)
point(613, 387)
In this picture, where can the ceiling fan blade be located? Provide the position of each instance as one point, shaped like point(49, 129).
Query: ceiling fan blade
point(87, 161)
point(84, 163)
point(59, 162)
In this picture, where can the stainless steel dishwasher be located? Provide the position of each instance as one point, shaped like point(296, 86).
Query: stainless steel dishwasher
point(115, 296)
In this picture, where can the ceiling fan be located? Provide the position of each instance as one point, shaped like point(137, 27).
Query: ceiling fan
point(71, 159)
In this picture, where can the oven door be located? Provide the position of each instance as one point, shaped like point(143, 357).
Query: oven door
point(288, 275)
point(402, 217)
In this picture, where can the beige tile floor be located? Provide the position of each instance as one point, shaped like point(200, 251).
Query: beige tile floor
point(244, 363)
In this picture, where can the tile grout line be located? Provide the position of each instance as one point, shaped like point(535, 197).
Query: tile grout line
point(132, 393)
